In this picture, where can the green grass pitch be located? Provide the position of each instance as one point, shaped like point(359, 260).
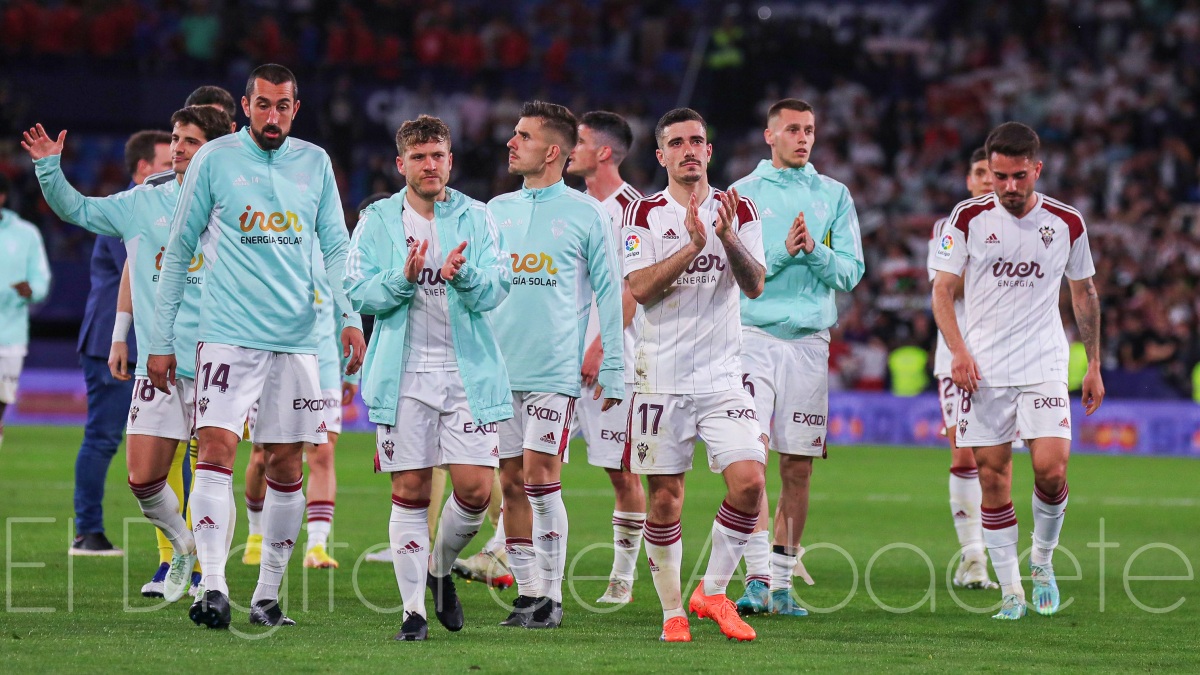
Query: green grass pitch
point(876, 513)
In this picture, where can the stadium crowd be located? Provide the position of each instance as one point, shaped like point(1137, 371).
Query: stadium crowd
point(902, 98)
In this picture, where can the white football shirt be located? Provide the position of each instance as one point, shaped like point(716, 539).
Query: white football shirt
point(942, 356)
point(615, 204)
point(689, 341)
point(1013, 270)
point(428, 344)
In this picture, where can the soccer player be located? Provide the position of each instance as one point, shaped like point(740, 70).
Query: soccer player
point(965, 493)
point(813, 251)
point(1013, 247)
point(146, 153)
point(427, 263)
point(24, 280)
point(604, 141)
point(688, 251)
point(259, 197)
point(556, 237)
point(220, 99)
point(158, 422)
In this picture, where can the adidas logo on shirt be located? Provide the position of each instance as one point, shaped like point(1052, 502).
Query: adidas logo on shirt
point(206, 523)
point(670, 234)
point(767, 212)
point(240, 181)
point(162, 221)
point(410, 547)
point(548, 438)
point(992, 239)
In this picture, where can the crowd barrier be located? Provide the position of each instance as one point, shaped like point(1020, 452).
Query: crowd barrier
point(1141, 427)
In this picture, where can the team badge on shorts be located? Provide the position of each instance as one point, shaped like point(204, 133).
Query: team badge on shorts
point(1047, 233)
point(133, 413)
point(202, 404)
point(642, 450)
point(962, 428)
point(389, 449)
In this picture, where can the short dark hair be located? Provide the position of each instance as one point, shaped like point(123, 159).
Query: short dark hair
point(1013, 139)
point(424, 129)
point(675, 117)
point(557, 118)
point(140, 147)
point(212, 95)
point(788, 104)
point(614, 128)
point(978, 156)
point(214, 123)
point(275, 74)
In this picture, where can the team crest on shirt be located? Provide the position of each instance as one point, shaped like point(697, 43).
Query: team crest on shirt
point(202, 404)
point(1047, 233)
point(389, 449)
point(945, 247)
point(557, 227)
point(962, 428)
point(820, 210)
point(133, 413)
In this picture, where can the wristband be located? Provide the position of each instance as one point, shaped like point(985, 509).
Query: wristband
point(121, 326)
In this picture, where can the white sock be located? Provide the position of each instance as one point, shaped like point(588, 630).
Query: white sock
point(1000, 536)
point(782, 566)
point(549, 536)
point(627, 542)
point(320, 522)
point(211, 503)
point(730, 533)
point(965, 498)
point(254, 509)
point(664, 552)
point(497, 542)
point(283, 513)
point(1048, 513)
point(757, 555)
point(523, 563)
point(458, 524)
point(408, 531)
point(161, 507)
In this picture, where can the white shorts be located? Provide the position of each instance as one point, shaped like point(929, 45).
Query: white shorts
point(333, 410)
point(994, 415)
point(540, 422)
point(434, 427)
point(153, 413)
point(231, 379)
point(789, 380)
point(948, 398)
point(10, 374)
point(604, 432)
point(663, 429)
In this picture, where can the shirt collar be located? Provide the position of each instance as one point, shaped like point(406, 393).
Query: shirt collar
point(768, 170)
point(544, 194)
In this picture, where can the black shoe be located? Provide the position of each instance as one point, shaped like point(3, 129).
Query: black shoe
point(523, 608)
point(414, 629)
point(267, 613)
point(547, 615)
point(445, 602)
point(94, 543)
point(211, 610)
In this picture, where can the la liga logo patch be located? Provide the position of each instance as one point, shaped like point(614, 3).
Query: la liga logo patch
point(632, 243)
point(945, 247)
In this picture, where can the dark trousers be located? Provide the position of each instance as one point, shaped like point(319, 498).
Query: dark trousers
point(107, 408)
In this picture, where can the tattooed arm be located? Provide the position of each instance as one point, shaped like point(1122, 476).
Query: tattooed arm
point(1086, 304)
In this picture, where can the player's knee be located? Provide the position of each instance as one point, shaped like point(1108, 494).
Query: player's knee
point(320, 458)
point(1050, 480)
point(474, 496)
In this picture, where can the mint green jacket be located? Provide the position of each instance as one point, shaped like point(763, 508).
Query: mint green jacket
point(798, 296)
point(375, 284)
